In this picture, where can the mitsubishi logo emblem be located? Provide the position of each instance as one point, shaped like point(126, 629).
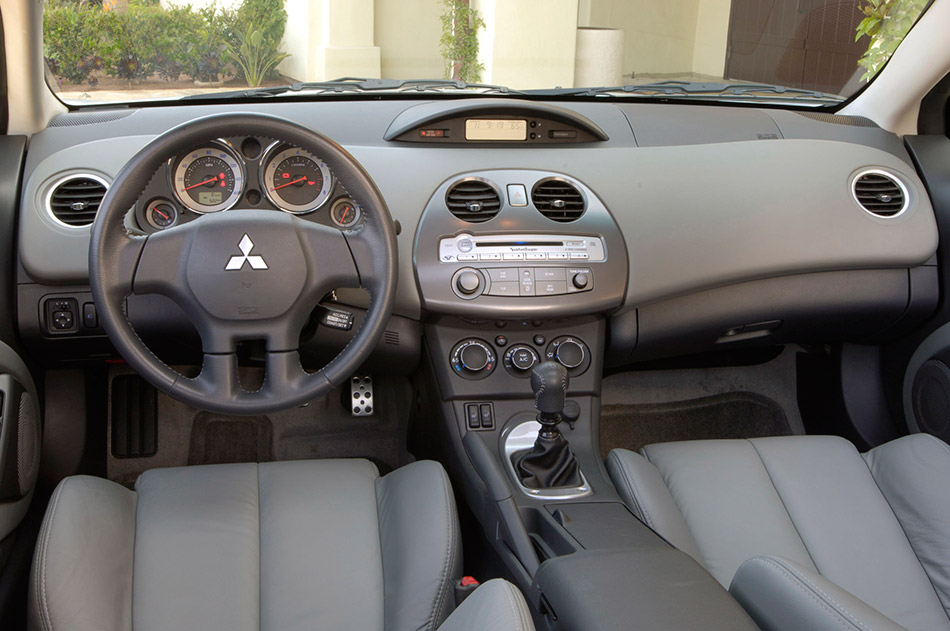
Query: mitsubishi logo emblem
point(237, 262)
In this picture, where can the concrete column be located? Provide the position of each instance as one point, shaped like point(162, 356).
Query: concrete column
point(599, 57)
point(528, 43)
point(328, 39)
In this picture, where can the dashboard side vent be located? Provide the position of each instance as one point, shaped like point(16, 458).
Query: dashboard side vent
point(880, 193)
point(473, 201)
point(75, 199)
point(558, 200)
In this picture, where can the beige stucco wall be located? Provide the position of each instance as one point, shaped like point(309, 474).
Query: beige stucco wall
point(660, 36)
point(328, 39)
point(528, 43)
point(712, 37)
point(407, 33)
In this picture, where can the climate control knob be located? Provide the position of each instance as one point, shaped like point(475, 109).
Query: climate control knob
point(570, 352)
point(473, 359)
point(520, 359)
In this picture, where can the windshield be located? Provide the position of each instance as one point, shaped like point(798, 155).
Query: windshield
point(805, 52)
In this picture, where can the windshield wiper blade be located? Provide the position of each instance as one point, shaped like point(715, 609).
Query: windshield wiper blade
point(697, 88)
point(358, 84)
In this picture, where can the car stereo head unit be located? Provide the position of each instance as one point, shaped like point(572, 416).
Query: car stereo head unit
point(490, 248)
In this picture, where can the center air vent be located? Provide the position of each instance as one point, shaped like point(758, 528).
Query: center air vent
point(880, 193)
point(473, 201)
point(558, 200)
point(75, 199)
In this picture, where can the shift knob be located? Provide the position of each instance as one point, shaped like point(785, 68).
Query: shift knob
point(549, 381)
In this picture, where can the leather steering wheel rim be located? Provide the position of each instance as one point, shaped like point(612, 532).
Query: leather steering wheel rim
point(118, 267)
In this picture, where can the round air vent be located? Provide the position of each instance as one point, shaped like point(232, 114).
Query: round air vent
point(880, 193)
point(74, 200)
point(558, 200)
point(473, 201)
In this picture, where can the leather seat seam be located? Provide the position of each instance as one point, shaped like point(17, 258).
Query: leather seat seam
point(45, 616)
point(260, 554)
point(781, 499)
point(449, 555)
point(517, 615)
point(796, 576)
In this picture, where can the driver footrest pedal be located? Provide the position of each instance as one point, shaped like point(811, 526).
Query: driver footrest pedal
point(361, 395)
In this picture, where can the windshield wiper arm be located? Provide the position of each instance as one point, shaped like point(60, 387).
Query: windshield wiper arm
point(696, 88)
point(358, 84)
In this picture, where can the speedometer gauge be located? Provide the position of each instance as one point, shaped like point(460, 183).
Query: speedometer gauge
point(209, 179)
point(296, 181)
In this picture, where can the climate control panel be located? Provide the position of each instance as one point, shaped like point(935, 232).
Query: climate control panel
point(474, 358)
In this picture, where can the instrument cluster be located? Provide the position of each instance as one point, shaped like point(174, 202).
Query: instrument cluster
point(233, 173)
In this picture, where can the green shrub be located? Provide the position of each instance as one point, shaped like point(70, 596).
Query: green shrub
point(74, 37)
point(204, 45)
point(268, 17)
point(253, 57)
point(81, 39)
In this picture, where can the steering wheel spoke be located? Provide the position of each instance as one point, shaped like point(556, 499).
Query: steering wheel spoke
point(160, 268)
point(218, 376)
point(329, 257)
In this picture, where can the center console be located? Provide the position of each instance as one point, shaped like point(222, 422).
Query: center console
point(517, 271)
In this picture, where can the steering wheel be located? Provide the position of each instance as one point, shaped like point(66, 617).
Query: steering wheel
point(243, 274)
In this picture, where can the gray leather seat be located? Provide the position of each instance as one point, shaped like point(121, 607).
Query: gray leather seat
point(280, 546)
point(804, 531)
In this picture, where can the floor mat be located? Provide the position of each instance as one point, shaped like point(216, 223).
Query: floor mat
point(729, 415)
point(221, 439)
point(322, 428)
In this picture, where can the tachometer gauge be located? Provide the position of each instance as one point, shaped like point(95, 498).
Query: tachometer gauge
point(209, 179)
point(296, 181)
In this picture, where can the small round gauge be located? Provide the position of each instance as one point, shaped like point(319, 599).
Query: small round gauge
point(345, 213)
point(209, 179)
point(161, 214)
point(296, 181)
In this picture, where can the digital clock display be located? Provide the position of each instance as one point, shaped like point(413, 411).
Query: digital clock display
point(495, 129)
point(210, 198)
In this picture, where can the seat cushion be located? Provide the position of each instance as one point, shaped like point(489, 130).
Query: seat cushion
point(291, 545)
point(811, 500)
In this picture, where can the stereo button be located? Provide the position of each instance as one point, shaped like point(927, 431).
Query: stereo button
point(549, 273)
point(504, 289)
point(553, 288)
point(503, 274)
point(557, 256)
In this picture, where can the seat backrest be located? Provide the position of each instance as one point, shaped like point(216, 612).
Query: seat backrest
point(809, 499)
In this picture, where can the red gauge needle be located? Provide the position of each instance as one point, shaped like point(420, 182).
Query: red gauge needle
point(346, 211)
point(161, 213)
point(299, 179)
point(213, 179)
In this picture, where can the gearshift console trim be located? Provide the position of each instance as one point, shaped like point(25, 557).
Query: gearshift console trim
point(521, 438)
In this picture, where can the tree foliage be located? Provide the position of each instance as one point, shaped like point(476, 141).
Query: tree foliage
point(459, 41)
point(886, 23)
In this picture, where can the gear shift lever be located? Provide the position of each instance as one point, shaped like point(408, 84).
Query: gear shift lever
point(550, 463)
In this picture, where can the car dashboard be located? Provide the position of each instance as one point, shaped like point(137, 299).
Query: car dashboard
point(689, 228)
